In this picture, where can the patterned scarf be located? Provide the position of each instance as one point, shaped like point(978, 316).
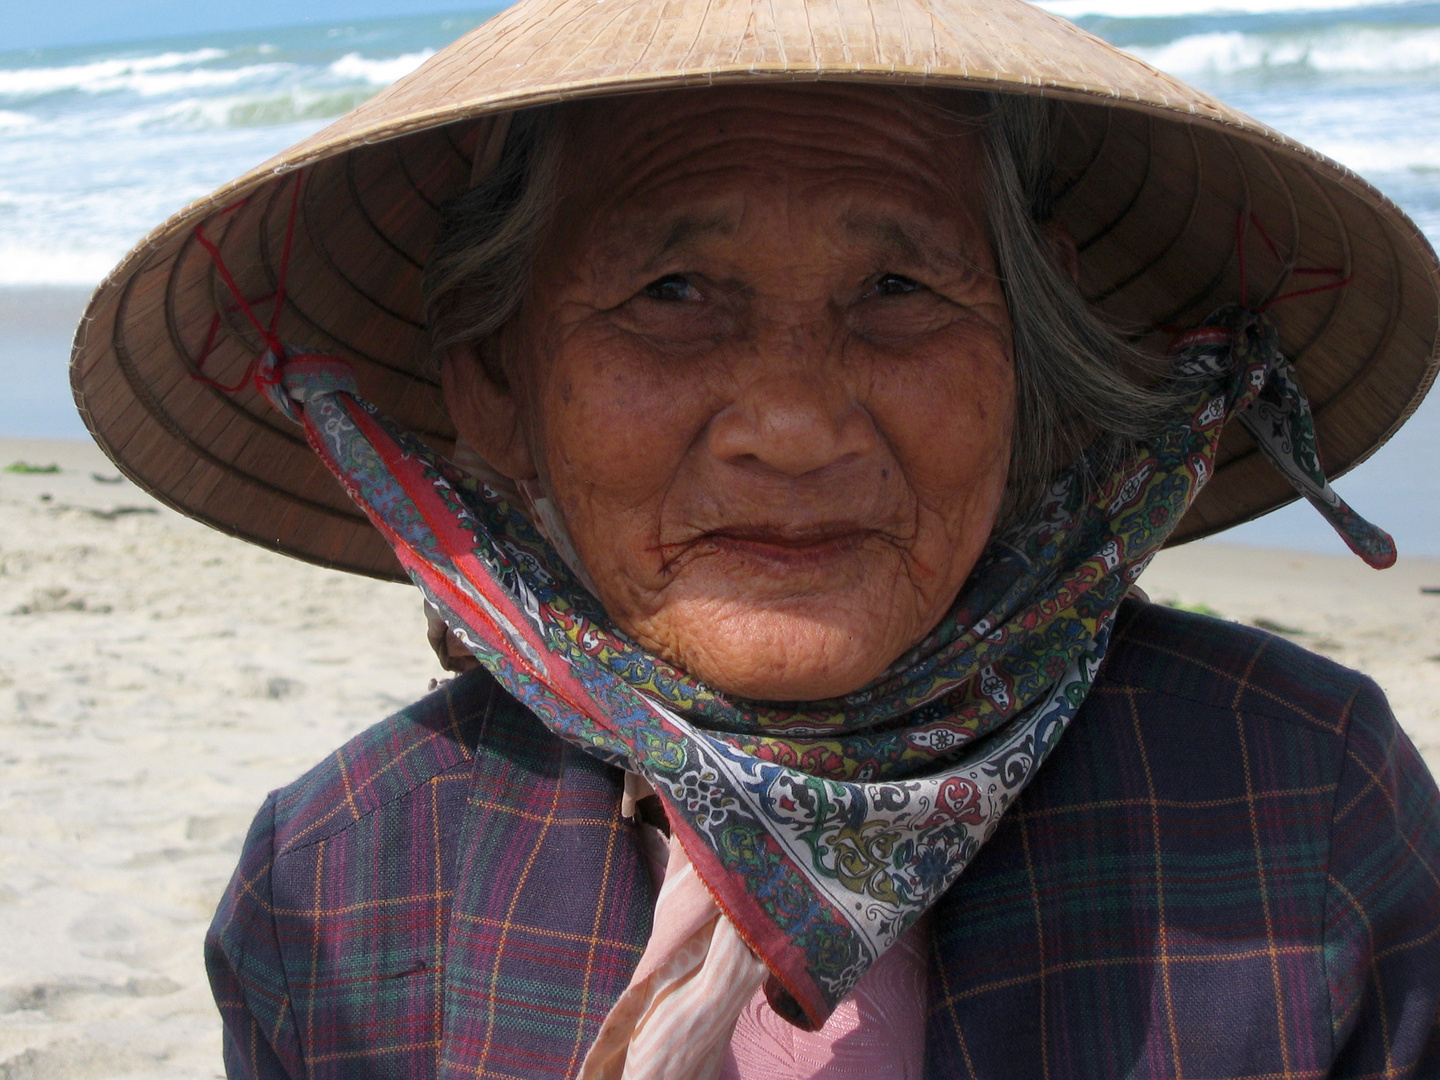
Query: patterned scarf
point(825, 829)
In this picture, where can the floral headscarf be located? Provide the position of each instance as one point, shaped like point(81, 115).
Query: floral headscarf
point(824, 829)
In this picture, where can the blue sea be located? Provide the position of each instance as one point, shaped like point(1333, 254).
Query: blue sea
point(100, 143)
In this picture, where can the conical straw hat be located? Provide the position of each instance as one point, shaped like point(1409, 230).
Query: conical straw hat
point(1154, 177)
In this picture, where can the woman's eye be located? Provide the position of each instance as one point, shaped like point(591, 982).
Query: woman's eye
point(671, 287)
point(895, 285)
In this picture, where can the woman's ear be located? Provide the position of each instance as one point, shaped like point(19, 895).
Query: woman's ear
point(1063, 249)
point(485, 410)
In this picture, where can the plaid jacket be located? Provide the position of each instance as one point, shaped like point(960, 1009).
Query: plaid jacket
point(1229, 868)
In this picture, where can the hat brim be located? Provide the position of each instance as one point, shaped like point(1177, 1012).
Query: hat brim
point(1154, 177)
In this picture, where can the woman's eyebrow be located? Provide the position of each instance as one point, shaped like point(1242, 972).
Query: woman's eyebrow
point(908, 239)
point(647, 240)
point(691, 227)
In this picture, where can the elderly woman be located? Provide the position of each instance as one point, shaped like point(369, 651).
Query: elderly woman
point(810, 725)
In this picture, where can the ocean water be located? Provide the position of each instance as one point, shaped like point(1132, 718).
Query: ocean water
point(98, 144)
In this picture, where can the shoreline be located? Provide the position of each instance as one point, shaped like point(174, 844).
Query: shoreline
point(37, 326)
point(53, 308)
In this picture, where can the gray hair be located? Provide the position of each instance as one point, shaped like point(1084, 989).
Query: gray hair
point(479, 269)
point(1073, 372)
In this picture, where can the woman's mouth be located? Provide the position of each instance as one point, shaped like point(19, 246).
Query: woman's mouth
point(786, 548)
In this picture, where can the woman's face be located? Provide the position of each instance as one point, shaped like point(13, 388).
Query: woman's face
point(764, 373)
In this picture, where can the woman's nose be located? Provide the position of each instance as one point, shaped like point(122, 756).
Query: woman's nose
point(794, 422)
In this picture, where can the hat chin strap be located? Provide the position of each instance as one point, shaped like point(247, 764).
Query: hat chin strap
point(532, 497)
point(546, 517)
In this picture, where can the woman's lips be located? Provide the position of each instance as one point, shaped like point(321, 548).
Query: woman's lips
point(787, 548)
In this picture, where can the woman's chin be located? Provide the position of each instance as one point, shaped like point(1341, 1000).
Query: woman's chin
point(766, 656)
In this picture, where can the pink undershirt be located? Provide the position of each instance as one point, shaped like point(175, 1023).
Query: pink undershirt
point(877, 1033)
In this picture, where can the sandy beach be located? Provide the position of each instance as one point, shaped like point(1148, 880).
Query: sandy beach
point(157, 679)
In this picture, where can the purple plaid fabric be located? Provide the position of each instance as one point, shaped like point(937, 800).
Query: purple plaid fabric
point(1229, 868)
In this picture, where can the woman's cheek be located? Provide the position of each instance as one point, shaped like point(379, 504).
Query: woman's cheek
point(603, 405)
point(616, 428)
point(949, 409)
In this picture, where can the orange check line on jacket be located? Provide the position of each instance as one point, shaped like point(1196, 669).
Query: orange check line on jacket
point(507, 926)
point(298, 840)
point(1163, 930)
point(1229, 676)
point(578, 1049)
point(1264, 887)
point(1116, 961)
point(1375, 978)
point(1021, 813)
point(346, 1055)
point(547, 933)
point(539, 819)
point(1375, 780)
point(1039, 943)
point(948, 1000)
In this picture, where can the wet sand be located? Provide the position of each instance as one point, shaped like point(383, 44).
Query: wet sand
point(158, 678)
point(37, 325)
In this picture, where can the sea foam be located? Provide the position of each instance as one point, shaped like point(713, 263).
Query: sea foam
point(21, 265)
point(1343, 50)
point(379, 72)
point(101, 76)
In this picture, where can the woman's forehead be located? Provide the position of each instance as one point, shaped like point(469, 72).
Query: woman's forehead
point(889, 227)
point(682, 165)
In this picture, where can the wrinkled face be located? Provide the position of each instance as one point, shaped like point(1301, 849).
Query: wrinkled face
point(764, 372)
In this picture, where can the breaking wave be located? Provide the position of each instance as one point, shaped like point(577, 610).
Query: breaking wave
point(204, 87)
point(1338, 51)
point(141, 74)
point(379, 72)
